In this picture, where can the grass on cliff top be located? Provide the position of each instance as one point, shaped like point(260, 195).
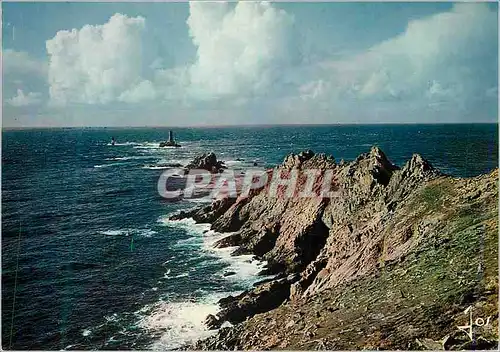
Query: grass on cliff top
point(435, 194)
point(423, 297)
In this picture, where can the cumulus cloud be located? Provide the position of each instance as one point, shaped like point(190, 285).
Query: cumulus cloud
point(20, 62)
point(98, 64)
point(241, 49)
point(444, 57)
point(248, 53)
point(144, 91)
point(21, 99)
point(22, 73)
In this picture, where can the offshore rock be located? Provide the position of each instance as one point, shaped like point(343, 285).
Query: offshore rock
point(207, 162)
point(171, 142)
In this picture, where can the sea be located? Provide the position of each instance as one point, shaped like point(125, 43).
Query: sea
point(90, 259)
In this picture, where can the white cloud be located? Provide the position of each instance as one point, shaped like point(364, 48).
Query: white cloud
point(172, 83)
point(20, 62)
point(247, 53)
point(98, 64)
point(446, 56)
point(22, 73)
point(241, 50)
point(21, 99)
point(144, 91)
point(312, 90)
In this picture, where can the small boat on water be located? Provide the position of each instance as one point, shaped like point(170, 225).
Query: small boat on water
point(171, 142)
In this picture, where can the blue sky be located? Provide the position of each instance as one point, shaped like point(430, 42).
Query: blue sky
point(149, 64)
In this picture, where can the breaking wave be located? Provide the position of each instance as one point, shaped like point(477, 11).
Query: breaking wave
point(179, 323)
point(128, 232)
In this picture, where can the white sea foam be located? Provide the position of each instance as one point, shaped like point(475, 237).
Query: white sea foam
point(155, 167)
point(112, 318)
point(200, 200)
point(167, 164)
point(244, 266)
point(123, 144)
point(168, 277)
point(188, 224)
point(183, 322)
point(175, 161)
point(114, 233)
point(154, 145)
point(230, 163)
point(128, 232)
point(180, 322)
point(136, 157)
point(148, 145)
point(109, 165)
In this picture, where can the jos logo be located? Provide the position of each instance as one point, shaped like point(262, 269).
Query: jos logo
point(468, 329)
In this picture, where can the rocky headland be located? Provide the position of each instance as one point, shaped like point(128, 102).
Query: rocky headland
point(391, 262)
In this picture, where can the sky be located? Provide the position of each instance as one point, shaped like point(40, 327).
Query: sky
point(215, 63)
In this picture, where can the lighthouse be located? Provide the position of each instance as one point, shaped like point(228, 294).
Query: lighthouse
point(170, 142)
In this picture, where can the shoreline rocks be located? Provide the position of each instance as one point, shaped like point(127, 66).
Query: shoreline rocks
point(262, 298)
point(381, 216)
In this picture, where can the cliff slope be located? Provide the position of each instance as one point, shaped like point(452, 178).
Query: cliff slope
point(391, 261)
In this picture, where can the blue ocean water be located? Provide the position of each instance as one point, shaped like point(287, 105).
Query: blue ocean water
point(89, 256)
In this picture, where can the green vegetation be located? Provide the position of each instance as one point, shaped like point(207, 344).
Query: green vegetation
point(416, 303)
point(432, 196)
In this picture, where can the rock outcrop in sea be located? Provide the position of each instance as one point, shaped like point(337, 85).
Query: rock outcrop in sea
point(171, 142)
point(207, 161)
point(391, 262)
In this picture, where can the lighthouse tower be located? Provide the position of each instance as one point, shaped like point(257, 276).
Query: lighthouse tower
point(170, 142)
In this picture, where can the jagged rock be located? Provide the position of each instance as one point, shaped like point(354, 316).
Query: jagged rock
point(207, 162)
point(262, 298)
point(380, 216)
point(226, 339)
point(211, 322)
point(207, 214)
point(229, 241)
point(296, 160)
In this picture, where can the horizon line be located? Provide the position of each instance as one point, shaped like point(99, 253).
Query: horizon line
point(252, 125)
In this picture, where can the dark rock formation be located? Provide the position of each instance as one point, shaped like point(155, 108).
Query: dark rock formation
point(207, 214)
point(262, 298)
point(207, 162)
point(211, 322)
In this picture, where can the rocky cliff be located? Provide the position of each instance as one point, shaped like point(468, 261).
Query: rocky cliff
point(390, 262)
